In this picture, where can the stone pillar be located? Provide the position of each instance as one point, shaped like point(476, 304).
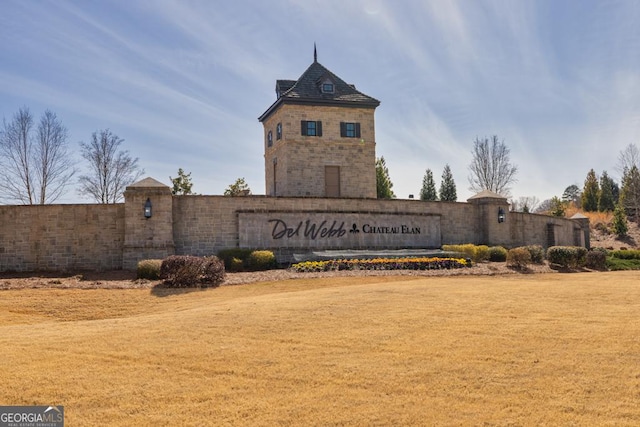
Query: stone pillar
point(493, 210)
point(582, 222)
point(147, 238)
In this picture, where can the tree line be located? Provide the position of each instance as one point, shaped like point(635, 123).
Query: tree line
point(36, 165)
point(490, 169)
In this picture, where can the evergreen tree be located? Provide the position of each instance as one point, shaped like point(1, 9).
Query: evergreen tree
point(572, 195)
point(630, 192)
point(181, 185)
point(590, 193)
point(448, 186)
point(238, 188)
point(383, 181)
point(428, 191)
point(558, 207)
point(606, 202)
point(620, 226)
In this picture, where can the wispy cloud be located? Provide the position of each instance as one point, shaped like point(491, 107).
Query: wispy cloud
point(184, 82)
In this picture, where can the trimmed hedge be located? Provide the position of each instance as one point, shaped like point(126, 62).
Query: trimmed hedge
point(537, 253)
point(230, 258)
point(261, 260)
point(596, 260)
point(476, 253)
point(567, 256)
point(183, 271)
point(238, 259)
point(149, 269)
point(624, 260)
point(519, 258)
point(497, 254)
point(626, 254)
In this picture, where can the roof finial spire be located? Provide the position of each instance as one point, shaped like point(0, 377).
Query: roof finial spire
point(315, 53)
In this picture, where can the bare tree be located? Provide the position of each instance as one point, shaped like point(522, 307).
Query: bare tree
point(54, 168)
point(110, 170)
point(34, 169)
point(490, 168)
point(526, 204)
point(628, 158)
point(15, 144)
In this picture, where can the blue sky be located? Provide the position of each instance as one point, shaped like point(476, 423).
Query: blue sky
point(183, 82)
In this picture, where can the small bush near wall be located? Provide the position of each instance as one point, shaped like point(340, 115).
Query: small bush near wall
point(567, 256)
point(261, 260)
point(237, 259)
point(149, 269)
point(537, 253)
point(626, 254)
point(518, 258)
point(624, 260)
point(181, 271)
point(497, 254)
point(596, 259)
point(476, 253)
point(231, 256)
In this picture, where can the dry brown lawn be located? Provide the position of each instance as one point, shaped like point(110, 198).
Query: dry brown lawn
point(550, 349)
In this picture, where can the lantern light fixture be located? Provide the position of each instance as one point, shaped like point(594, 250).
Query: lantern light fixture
point(501, 215)
point(147, 209)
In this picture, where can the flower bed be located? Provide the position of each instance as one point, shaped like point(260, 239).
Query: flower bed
point(381, 264)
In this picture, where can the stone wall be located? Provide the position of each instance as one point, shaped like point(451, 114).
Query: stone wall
point(104, 237)
point(61, 237)
point(205, 224)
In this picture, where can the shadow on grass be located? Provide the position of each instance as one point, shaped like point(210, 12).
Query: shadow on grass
point(565, 269)
point(521, 270)
point(161, 290)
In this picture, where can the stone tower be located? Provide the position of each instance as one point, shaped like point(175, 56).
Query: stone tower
point(319, 138)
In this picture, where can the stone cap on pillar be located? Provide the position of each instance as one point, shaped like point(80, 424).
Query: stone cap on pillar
point(148, 185)
point(581, 219)
point(487, 196)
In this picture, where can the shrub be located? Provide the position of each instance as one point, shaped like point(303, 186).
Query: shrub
point(229, 255)
point(261, 260)
point(481, 253)
point(537, 253)
point(567, 256)
point(596, 259)
point(617, 264)
point(497, 254)
point(239, 259)
point(235, 265)
point(626, 254)
point(519, 258)
point(149, 269)
point(190, 271)
point(212, 271)
point(476, 253)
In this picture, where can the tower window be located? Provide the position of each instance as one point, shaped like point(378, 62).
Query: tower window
point(327, 88)
point(311, 128)
point(349, 130)
point(269, 139)
point(279, 131)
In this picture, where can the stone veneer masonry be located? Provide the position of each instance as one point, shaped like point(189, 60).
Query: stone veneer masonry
point(61, 237)
point(299, 161)
point(103, 237)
